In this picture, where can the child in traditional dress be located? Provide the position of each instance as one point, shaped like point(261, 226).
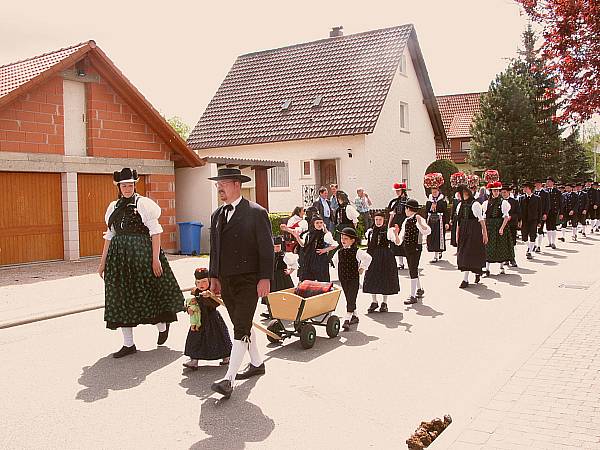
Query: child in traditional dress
point(410, 237)
point(350, 262)
point(284, 265)
point(471, 237)
point(397, 216)
point(499, 248)
point(211, 341)
point(436, 209)
point(316, 243)
point(382, 276)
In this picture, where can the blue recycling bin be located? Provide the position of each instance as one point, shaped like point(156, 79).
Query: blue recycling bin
point(189, 237)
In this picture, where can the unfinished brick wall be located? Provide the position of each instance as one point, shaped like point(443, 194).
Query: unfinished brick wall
point(161, 189)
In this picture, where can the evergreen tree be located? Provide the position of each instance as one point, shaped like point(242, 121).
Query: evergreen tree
point(575, 162)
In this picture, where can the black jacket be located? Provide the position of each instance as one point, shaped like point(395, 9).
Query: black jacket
point(531, 208)
point(543, 195)
point(584, 201)
point(515, 212)
point(244, 245)
point(554, 200)
point(317, 204)
point(570, 202)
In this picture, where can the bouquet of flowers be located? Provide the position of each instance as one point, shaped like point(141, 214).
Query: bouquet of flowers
point(458, 178)
point(433, 180)
point(472, 181)
point(491, 176)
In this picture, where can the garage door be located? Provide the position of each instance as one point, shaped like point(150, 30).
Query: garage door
point(94, 193)
point(31, 226)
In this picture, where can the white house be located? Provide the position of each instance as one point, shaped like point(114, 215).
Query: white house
point(355, 110)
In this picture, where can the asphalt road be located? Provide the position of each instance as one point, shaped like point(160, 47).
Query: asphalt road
point(368, 388)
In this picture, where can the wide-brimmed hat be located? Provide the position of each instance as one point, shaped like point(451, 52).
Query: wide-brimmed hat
point(350, 232)
point(551, 179)
point(126, 175)
point(227, 173)
point(494, 185)
point(200, 273)
point(412, 204)
point(528, 184)
point(506, 187)
point(399, 186)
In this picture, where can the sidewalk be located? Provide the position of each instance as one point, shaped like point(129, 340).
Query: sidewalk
point(553, 400)
point(58, 288)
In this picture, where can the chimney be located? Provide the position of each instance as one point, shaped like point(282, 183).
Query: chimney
point(336, 31)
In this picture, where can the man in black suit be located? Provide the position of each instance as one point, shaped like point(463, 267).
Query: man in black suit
point(241, 268)
point(531, 216)
point(583, 206)
point(515, 214)
point(543, 195)
point(323, 205)
point(570, 205)
point(554, 214)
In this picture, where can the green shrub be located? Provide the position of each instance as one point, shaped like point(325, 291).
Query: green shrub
point(277, 218)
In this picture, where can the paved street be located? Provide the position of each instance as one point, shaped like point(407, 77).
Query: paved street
point(504, 359)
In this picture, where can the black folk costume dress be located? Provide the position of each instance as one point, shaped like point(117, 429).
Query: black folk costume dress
point(397, 207)
point(212, 340)
point(471, 251)
point(500, 248)
point(348, 261)
point(436, 241)
point(345, 217)
point(382, 276)
point(133, 294)
point(454, 219)
point(315, 267)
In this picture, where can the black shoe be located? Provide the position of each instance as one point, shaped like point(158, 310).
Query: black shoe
point(346, 325)
point(537, 250)
point(354, 320)
point(513, 263)
point(561, 239)
point(223, 387)
point(163, 335)
point(485, 273)
point(251, 371)
point(464, 284)
point(553, 247)
point(401, 267)
point(420, 293)
point(549, 246)
point(477, 278)
point(373, 307)
point(383, 307)
point(125, 351)
point(265, 315)
point(410, 301)
point(433, 261)
point(529, 256)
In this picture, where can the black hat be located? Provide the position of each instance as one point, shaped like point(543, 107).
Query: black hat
point(126, 175)
point(537, 180)
point(316, 217)
point(277, 240)
point(350, 232)
point(551, 179)
point(578, 183)
point(412, 204)
point(506, 187)
point(227, 173)
point(589, 180)
point(595, 183)
point(200, 273)
point(528, 184)
point(379, 213)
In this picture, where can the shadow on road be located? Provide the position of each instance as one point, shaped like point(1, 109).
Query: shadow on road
point(444, 265)
point(197, 382)
point(482, 292)
point(424, 310)
point(543, 261)
point(110, 374)
point(391, 319)
point(522, 270)
point(511, 278)
point(565, 250)
point(231, 423)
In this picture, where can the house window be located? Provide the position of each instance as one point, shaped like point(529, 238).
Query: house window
point(465, 146)
point(403, 116)
point(402, 64)
point(306, 169)
point(406, 173)
point(280, 177)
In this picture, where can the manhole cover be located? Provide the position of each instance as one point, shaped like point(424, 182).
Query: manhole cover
point(575, 285)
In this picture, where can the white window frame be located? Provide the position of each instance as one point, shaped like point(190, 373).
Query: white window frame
point(310, 168)
point(403, 116)
point(402, 65)
point(280, 188)
point(463, 149)
point(406, 176)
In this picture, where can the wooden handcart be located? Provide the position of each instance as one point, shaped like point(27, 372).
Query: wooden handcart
point(304, 313)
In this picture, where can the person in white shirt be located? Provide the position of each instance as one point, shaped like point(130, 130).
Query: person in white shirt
point(471, 236)
point(499, 248)
point(346, 215)
point(296, 221)
point(316, 244)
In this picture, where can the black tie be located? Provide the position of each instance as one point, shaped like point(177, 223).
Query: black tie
point(224, 212)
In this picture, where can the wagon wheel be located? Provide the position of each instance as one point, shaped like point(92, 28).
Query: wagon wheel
point(308, 335)
point(333, 326)
point(276, 327)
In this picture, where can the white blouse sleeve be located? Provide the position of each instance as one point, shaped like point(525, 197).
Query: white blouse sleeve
point(303, 226)
point(335, 259)
point(329, 240)
point(291, 260)
point(424, 229)
point(402, 231)
point(150, 212)
point(457, 208)
point(505, 209)
point(363, 258)
point(368, 233)
point(391, 235)
point(477, 211)
point(292, 220)
point(484, 207)
point(109, 234)
point(352, 213)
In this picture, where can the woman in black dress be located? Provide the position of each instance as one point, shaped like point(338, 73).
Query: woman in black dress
point(139, 286)
point(397, 212)
point(284, 264)
point(471, 236)
point(436, 209)
point(315, 245)
point(454, 219)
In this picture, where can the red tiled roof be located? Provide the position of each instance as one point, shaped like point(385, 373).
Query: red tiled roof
point(352, 74)
point(18, 73)
point(457, 113)
point(443, 153)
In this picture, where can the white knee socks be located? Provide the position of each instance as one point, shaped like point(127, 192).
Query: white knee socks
point(413, 286)
point(255, 358)
point(530, 245)
point(487, 266)
point(539, 240)
point(400, 260)
point(374, 298)
point(238, 351)
point(466, 277)
point(127, 336)
point(162, 327)
point(384, 299)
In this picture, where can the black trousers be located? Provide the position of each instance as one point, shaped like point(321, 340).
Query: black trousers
point(551, 221)
point(350, 288)
point(413, 258)
point(240, 297)
point(529, 231)
point(582, 218)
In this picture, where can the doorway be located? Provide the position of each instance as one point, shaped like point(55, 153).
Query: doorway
point(327, 172)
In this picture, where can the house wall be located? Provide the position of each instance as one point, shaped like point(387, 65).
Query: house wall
point(388, 145)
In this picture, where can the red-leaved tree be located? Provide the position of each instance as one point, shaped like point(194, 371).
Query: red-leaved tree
point(571, 30)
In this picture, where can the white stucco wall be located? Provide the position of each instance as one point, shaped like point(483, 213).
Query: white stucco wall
point(388, 145)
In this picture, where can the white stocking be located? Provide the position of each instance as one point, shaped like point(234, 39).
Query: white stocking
point(466, 277)
point(374, 298)
point(255, 358)
point(487, 266)
point(162, 327)
point(238, 351)
point(538, 241)
point(400, 260)
point(384, 299)
point(127, 336)
point(413, 287)
point(418, 283)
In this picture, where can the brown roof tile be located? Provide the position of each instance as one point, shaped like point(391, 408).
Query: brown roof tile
point(457, 113)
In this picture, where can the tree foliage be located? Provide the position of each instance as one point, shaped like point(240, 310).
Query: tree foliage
point(182, 128)
point(446, 168)
point(571, 30)
point(575, 162)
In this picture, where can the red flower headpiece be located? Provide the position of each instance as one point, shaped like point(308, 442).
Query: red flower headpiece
point(433, 180)
point(398, 186)
point(472, 180)
point(491, 176)
point(458, 178)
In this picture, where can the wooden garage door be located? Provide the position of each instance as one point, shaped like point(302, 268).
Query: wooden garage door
point(94, 193)
point(31, 227)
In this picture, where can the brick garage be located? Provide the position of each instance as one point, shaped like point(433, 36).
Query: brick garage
point(73, 112)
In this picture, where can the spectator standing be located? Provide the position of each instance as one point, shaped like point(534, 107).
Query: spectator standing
point(323, 206)
point(363, 203)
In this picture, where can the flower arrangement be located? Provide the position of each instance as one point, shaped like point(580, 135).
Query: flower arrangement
point(457, 179)
point(433, 180)
point(491, 176)
point(472, 181)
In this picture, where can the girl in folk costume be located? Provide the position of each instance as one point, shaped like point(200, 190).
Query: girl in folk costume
point(350, 262)
point(396, 210)
point(411, 238)
point(346, 216)
point(382, 276)
point(212, 340)
point(316, 244)
point(471, 236)
point(436, 209)
point(139, 286)
point(296, 221)
point(500, 247)
point(456, 179)
point(284, 265)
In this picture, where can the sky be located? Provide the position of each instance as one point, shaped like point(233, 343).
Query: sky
point(177, 53)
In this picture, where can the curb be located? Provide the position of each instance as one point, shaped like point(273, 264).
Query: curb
point(68, 312)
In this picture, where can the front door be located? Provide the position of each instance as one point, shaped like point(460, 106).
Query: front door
point(328, 172)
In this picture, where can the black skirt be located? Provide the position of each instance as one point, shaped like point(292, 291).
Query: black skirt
point(212, 341)
point(471, 251)
point(281, 281)
point(436, 241)
point(382, 276)
point(315, 267)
